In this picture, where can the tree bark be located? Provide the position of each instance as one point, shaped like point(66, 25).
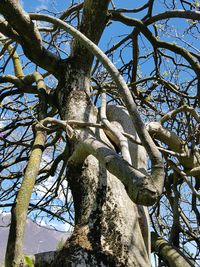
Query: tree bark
point(107, 230)
point(109, 227)
point(172, 256)
point(107, 223)
point(14, 251)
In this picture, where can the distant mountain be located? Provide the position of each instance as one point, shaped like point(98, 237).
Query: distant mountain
point(37, 238)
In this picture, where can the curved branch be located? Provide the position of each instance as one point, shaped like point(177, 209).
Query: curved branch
point(70, 10)
point(140, 187)
point(190, 159)
point(15, 57)
point(114, 130)
point(142, 26)
point(184, 14)
point(135, 10)
point(8, 31)
point(30, 38)
point(11, 79)
point(171, 255)
point(154, 154)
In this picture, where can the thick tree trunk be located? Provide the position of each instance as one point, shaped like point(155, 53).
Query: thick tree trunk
point(107, 223)
point(107, 230)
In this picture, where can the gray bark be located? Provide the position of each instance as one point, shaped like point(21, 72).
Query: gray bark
point(108, 228)
point(107, 231)
point(171, 255)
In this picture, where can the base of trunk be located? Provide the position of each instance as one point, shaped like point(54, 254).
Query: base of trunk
point(107, 223)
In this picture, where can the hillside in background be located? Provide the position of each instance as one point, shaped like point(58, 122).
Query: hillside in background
point(37, 238)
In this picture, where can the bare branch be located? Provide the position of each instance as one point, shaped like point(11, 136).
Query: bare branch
point(170, 254)
point(157, 43)
point(111, 127)
point(154, 154)
point(30, 39)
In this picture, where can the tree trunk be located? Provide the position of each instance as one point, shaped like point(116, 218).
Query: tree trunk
point(107, 230)
point(107, 223)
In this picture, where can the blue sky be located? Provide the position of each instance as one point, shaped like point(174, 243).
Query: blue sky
point(115, 29)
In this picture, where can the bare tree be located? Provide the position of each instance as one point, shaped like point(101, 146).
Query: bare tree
point(114, 132)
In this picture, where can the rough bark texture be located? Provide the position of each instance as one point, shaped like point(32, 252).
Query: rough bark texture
point(110, 230)
point(107, 231)
point(107, 223)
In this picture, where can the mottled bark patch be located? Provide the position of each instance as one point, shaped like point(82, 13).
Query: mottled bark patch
point(80, 237)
